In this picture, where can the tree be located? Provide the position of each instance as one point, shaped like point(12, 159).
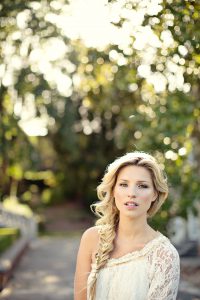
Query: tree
point(138, 91)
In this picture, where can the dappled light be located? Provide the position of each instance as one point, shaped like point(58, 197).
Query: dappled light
point(81, 83)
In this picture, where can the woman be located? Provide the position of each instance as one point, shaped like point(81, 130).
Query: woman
point(122, 257)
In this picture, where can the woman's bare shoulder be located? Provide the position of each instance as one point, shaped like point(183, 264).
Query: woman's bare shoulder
point(90, 238)
point(91, 235)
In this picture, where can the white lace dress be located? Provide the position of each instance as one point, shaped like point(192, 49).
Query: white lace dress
point(151, 273)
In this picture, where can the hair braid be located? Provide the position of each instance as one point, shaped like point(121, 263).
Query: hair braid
point(107, 235)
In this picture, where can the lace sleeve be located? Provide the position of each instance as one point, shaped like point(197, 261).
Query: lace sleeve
point(165, 274)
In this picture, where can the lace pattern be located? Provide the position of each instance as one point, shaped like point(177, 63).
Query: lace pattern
point(165, 275)
point(151, 273)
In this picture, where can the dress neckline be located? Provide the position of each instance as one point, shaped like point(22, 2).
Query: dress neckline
point(146, 246)
point(149, 247)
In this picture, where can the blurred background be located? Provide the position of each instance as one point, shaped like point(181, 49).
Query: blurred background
point(83, 82)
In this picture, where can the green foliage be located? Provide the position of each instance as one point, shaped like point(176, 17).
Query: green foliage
point(12, 204)
point(98, 104)
point(7, 237)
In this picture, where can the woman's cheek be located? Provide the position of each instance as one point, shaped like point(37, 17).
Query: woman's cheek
point(117, 192)
point(116, 196)
point(147, 196)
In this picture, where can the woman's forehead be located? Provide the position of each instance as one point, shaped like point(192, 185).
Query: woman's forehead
point(134, 172)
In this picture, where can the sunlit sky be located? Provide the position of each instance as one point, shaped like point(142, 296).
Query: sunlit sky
point(94, 22)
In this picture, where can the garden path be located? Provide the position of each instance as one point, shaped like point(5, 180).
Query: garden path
point(46, 272)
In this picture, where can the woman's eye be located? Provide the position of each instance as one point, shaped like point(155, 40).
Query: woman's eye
point(143, 186)
point(123, 184)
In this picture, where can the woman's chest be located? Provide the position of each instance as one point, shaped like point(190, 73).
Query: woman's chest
point(124, 281)
point(120, 251)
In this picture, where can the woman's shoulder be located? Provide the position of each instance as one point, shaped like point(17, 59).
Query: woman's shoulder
point(91, 236)
point(91, 233)
point(164, 259)
point(165, 249)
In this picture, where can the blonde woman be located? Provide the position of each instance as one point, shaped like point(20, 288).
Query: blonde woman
point(123, 257)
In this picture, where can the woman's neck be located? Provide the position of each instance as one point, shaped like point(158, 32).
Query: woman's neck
point(134, 230)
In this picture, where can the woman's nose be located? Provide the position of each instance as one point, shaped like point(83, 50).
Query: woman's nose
point(132, 192)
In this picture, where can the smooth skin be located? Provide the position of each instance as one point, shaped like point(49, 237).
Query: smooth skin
point(86, 255)
point(134, 183)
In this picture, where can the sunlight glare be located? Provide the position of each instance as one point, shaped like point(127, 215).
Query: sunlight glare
point(159, 81)
point(182, 151)
point(144, 71)
point(54, 49)
point(30, 124)
point(171, 155)
point(34, 127)
point(89, 21)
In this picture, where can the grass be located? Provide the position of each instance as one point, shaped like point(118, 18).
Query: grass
point(8, 236)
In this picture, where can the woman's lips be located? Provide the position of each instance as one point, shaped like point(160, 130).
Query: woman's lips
point(131, 204)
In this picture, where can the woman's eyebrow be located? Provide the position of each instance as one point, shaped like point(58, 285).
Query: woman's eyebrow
point(123, 179)
point(137, 180)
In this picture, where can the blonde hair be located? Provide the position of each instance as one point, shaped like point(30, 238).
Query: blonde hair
point(107, 211)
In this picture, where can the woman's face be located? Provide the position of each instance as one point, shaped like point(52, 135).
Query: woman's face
point(134, 191)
